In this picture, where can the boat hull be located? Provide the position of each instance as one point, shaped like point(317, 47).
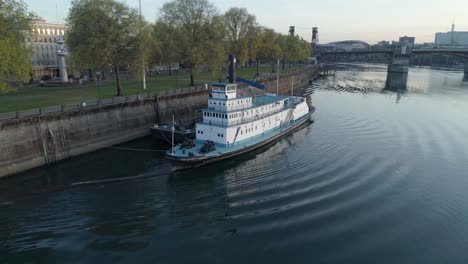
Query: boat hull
point(183, 163)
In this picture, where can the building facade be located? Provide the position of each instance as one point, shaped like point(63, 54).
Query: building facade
point(43, 39)
point(383, 44)
point(347, 45)
point(455, 38)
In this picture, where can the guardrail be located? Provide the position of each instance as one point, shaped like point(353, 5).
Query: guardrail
point(95, 103)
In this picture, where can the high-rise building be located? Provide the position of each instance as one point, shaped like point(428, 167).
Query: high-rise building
point(452, 38)
point(43, 39)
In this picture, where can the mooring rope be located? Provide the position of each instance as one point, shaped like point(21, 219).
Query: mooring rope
point(120, 148)
point(134, 149)
point(139, 177)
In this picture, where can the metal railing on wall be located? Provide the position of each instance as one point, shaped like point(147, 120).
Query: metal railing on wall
point(97, 103)
point(271, 76)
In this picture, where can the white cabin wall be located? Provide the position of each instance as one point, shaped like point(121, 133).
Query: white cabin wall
point(301, 109)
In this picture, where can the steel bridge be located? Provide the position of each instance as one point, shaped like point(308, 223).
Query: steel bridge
point(399, 58)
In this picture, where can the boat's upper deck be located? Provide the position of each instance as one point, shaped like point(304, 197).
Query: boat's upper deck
point(262, 106)
point(232, 106)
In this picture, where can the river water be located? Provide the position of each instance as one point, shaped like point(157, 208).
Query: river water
point(380, 177)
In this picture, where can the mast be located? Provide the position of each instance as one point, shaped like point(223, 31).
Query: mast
point(172, 129)
point(292, 85)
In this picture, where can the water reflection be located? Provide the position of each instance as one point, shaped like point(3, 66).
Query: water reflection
point(392, 175)
point(100, 165)
point(396, 82)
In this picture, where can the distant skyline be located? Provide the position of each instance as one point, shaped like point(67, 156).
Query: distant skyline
point(367, 20)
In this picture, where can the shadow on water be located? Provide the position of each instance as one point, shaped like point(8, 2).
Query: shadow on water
point(219, 168)
point(101, 165)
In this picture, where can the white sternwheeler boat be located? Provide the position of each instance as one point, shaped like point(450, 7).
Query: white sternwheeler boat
point(234, 125)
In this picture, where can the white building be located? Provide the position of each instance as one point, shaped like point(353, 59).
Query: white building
point(43, 39)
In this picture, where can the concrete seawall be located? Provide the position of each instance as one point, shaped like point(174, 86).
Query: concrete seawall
point(286, 81)
point(33, 141)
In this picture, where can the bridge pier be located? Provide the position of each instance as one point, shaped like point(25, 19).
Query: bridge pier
point(399, 64)
point(397, 73)
point(396, 81)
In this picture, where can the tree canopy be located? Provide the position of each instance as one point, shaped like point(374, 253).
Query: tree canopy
point(106, 33)
point(240, 25)
point(15, 64)
point(194, 26)
point(193, 33)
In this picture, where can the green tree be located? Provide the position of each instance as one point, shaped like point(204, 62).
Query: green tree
point(239, 27)
point(253, 43)
point(306, 50)
point(194, 24)
point(15, 63)
point(268, 47)
point(165, 49)
point(105, 33)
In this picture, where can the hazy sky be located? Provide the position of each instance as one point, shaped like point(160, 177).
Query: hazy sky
point(368, 20)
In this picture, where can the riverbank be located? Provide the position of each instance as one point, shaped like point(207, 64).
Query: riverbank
point(44, 137)
point(33, 97)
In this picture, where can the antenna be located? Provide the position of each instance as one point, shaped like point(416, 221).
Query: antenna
point(452, 34)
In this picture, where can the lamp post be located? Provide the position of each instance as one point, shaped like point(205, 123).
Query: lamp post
point(98, 77)
point(142, 58)
point(177, 78)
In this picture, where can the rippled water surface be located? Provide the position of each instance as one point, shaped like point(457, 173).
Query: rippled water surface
point(380, 177)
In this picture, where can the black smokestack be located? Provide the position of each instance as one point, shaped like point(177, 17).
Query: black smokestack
point(232, 69)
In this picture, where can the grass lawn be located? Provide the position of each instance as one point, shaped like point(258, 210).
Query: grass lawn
point(36, 97)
